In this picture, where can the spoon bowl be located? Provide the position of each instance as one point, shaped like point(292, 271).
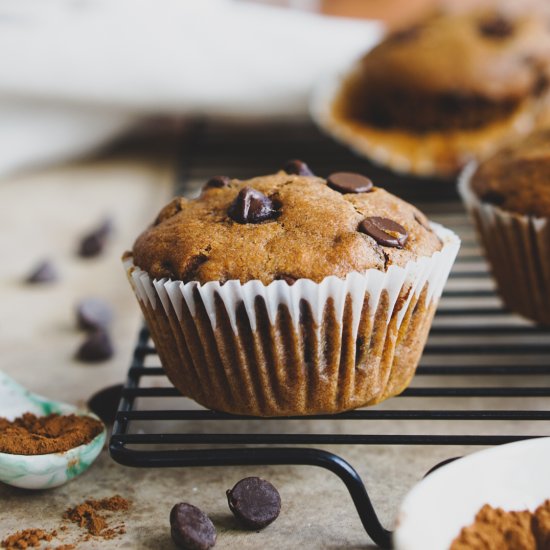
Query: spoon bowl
point(46, 470)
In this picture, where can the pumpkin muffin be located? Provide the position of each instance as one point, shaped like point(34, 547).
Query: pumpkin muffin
point(450, 89)
point(509, 197)
point(288, 293)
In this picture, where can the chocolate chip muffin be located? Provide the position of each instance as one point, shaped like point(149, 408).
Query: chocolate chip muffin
point(509, 197)
point(452, 88)
point(290, 294)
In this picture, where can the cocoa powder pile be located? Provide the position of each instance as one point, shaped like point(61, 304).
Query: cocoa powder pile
point(28, 538)
point(496, 529)
point(87, 515)
point(36, 435)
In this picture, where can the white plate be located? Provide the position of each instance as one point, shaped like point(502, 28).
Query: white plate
point(513, 477)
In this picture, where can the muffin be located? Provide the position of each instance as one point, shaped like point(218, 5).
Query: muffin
point(289, 294)
point(450, 89)
point(509, 198)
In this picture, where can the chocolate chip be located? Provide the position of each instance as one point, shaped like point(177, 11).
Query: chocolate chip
point(93, 314)
point(96, 347)
point(493, 197)
point(190, 271)
point(252, 206)
point(254, 502)
point(171, 209)
point(217, 181)
point(297, 167)
point(105, 403)
point(191, 528)
point(348, 182)
point(94, 242)
point(384, 231)
point(496, 27)
point(44, 272)
point(406, 35)
point(289, 280)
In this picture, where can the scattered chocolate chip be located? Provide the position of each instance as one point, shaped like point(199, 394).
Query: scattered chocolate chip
point(493, 197)
point(297, 167)
point(171, 209)
point(93, 314)
point(406, 35)
point(217, 181)
point(190, 271)
point(105, 402)
point(254, 502)
point(287, 278)
point(94, 242)
point(252, 206)
point(348, 182)
point(191, 528)
point(384, 231)
point(96, 347)
point(44, 272)
point(496, 27)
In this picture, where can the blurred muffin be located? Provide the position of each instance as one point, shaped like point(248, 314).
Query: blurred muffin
point(509, 197)
point(452, 88)
point(288, 294)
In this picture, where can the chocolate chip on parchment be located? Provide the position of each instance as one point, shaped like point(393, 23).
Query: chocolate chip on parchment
point(252, 206)
point(104, 403)
point(217, 181)
point(348, 182)
point(288, 279)
point(496, 26)
point(297, 167)
point(94, 242)
point(255, 502)
point(44, 272)
point(191, 528)
point(384, 231)
point(93, 313)
point(96, 347)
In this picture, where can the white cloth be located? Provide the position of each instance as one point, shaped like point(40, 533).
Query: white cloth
point(74, 73)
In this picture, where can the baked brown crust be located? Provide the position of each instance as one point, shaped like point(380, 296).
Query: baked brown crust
point(460, 71)
point(314, 234)
point(517, 178)
point(428, 100)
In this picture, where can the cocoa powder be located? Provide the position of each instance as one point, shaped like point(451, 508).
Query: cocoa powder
point(36, 435)
point(28, 538)
point(497, 529)
point(87, 515)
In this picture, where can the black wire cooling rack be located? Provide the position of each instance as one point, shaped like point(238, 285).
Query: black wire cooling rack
point(485, 372)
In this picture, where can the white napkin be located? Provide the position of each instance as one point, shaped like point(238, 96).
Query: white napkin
point(74, 73)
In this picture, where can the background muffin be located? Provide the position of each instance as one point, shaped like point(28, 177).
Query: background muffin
point(451, 88)
point(288, 294)
point(509, 197)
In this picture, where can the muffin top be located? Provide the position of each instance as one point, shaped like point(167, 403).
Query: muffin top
point(283, 226)
point(517, 178)
point(486, 53)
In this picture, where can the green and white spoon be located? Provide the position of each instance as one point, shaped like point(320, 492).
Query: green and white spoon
point(48, 470)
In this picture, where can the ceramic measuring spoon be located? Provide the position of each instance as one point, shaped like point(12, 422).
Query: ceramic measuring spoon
point(47, 470)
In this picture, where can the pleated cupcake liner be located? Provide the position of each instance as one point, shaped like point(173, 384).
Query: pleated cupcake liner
point(518, 250)
point(306, 348)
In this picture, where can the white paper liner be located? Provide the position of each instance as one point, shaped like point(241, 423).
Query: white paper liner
point(432, 270)
point(517, 247)
point(306, 348)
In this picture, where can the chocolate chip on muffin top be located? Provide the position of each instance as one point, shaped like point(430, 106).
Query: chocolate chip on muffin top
point(284, 226)
point(517, 178)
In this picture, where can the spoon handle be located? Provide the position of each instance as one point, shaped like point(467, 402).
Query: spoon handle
point(15, 400)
